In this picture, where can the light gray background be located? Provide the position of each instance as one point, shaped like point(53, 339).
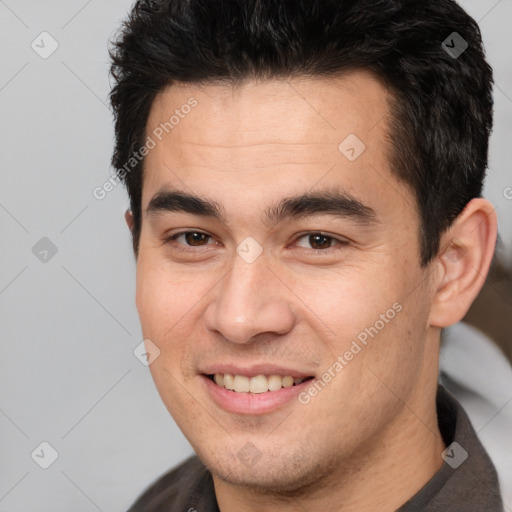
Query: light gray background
point(69, 326)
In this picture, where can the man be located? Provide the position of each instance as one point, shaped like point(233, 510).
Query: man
point(305, 181)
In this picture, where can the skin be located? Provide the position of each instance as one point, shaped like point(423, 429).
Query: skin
point(369, 440)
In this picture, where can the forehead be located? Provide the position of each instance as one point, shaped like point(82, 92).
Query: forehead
point(304, 110)
point(272, 137)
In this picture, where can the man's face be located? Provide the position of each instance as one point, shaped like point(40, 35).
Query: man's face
point(261, 290)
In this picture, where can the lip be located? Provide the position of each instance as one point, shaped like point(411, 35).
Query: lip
point(252, 403)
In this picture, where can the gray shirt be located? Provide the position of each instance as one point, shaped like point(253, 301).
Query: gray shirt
point(466, 482)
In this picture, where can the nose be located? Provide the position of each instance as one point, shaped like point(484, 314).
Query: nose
point(250, 300)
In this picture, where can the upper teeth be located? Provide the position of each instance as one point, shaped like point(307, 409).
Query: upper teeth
point(257, 384)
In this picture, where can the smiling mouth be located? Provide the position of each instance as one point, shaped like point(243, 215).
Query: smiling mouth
point(256, 384)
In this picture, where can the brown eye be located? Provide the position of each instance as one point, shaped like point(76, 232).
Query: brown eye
point(190, 239)
point(195, 238)
point(321, 242)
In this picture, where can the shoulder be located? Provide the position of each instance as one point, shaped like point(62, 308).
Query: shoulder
point(177, 489)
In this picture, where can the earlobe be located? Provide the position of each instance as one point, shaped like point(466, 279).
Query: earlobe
point(128, 217)
point(467, 248)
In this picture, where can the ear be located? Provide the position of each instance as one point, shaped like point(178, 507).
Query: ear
point(463, 261)
point(128, 217)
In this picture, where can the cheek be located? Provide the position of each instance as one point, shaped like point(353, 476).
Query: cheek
point(345, 301)
point(371, 316)
point(167, 299)
point(157, 301)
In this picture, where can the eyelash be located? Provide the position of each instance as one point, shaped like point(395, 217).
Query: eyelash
point(179, 247)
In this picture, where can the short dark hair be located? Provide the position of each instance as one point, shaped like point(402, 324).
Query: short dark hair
point(440, 103)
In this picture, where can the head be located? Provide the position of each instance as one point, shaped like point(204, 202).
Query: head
point(328, 158)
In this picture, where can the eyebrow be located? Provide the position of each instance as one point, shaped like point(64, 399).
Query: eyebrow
point(337, 203)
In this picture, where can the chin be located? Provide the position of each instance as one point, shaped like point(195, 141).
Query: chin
point(285, 475)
